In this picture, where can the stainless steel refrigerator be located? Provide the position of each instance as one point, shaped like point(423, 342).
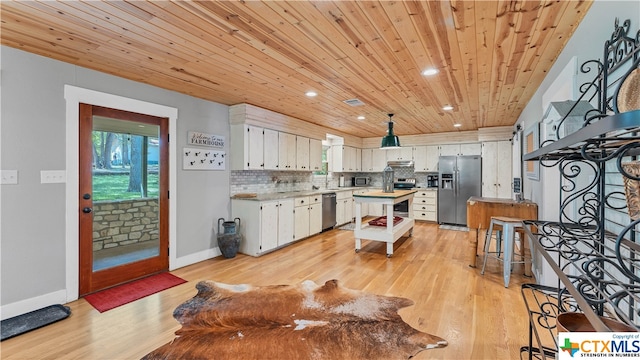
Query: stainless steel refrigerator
point(460, 177)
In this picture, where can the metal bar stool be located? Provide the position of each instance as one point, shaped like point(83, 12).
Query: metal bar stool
point(508, 226)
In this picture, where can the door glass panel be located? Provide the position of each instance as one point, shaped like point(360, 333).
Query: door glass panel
point(125, 192)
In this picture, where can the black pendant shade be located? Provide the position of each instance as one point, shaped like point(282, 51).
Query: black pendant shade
point(390, 141)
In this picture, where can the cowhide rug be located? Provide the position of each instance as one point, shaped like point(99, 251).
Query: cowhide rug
point(306, 321)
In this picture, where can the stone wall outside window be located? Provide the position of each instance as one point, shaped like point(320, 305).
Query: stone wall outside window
point(124, 222)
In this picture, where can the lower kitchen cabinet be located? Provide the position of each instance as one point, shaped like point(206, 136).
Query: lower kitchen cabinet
point(265, 225)
point(344, 207)
point(425, 204)
point(315, 215)
point(308, 216)
point(364, 207)
point(368, 209)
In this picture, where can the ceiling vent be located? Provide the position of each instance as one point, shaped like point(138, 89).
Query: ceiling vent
point(353, 102)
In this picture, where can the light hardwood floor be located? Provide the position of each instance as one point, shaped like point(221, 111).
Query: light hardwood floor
point(477, 315)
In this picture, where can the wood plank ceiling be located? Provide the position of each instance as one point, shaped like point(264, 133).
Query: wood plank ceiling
point(491, 55)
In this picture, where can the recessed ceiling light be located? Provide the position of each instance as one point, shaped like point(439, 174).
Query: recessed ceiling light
point(361, 117)
point(457, 125)
point(311, 93)
point(430, 71)
point(447, 107)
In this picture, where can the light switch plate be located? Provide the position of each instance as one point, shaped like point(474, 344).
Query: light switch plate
point(53, 176)
point(8, 177)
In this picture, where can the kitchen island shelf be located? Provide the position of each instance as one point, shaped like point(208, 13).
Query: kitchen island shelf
point(390, 233)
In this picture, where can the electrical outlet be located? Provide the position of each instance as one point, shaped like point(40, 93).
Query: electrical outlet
point(53, 176)
point(9, 177)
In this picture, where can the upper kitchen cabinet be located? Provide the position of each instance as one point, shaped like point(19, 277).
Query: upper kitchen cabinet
point(286, 151)
point(460, 149)
point(401, 154)
point(248, 153)
point(497, 172)
point(270, 138)
point(302, 153)
point(426, 158)
point(373, 160)
point(343, 159)
point(315, 155)
point(378, 160)
point(366, 160)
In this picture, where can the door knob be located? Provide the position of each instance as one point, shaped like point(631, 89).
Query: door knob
point(87, 210)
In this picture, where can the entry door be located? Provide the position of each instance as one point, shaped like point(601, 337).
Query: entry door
point(123, 197)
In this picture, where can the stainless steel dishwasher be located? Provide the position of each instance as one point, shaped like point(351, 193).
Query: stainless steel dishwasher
point(328, 211)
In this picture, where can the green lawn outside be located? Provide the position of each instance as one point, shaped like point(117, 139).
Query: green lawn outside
point(114, 187)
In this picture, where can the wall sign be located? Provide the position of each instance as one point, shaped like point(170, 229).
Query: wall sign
point(530, 143)
point(203, 139)
point(202, 159)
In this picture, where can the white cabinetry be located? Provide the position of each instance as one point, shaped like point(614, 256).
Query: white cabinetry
point(349, 158)
point(460, 149)
point(270, 138)
point(366, 160)
point(286, 151)
point(426, 158)
point(265, 225)
point(315, 214)
point(470, 149)
point(343, 158)
point(401, 154)
point(308, 216)
point(368, 209)
point(301, 218)
point(373, 160)
point(315, 155)
point(302, 153)
point(425, 205)
point(379, 160)
point(344, 207)
point(365, 206)
point(358, 160)
point(247, 152)
point(497, 169)
point(257, 148)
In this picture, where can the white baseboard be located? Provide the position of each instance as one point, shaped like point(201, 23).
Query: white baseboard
point(196, 257)
point(60, 297)
point(31, 304)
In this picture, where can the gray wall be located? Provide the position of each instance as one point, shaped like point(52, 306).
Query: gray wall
point(32, 135)
point(32, 138)
point(587, 43)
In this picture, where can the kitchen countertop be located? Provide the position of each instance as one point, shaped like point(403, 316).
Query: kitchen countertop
point(294, 194)
point(380, 194)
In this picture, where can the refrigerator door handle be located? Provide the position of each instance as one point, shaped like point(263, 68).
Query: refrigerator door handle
point(455, 182)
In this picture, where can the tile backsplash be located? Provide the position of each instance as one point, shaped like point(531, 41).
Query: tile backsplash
point(263, 181)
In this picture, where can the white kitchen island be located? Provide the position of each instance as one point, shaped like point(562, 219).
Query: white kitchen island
point(389, 233)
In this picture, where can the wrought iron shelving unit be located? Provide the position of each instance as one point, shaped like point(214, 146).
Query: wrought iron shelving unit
point(544, 303)
point(598, 270)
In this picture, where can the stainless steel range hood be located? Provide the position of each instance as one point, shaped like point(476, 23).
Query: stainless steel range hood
point(400, 163)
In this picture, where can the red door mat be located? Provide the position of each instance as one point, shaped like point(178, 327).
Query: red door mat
point(382, 221)
point(123, 294)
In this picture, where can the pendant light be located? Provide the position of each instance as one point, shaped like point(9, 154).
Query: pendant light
point(390, 141)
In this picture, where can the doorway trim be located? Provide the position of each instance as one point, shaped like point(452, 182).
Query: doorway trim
point(74, 96)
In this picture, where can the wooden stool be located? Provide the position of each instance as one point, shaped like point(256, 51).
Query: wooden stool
point(508, 228)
